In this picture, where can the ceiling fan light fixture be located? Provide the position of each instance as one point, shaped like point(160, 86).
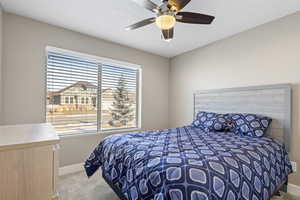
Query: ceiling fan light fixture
point(165, 22)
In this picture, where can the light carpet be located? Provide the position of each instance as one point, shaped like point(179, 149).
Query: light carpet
point(78, 187)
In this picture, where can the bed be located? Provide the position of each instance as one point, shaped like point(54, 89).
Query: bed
point(188, 163)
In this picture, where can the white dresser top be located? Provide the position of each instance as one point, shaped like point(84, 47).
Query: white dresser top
point(26, 135)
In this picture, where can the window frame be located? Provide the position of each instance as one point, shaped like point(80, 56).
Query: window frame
point(100, 61)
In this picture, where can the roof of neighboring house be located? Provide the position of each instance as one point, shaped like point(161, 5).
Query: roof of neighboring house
point(82, 84)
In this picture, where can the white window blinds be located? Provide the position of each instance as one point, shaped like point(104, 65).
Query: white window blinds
point(85, 96)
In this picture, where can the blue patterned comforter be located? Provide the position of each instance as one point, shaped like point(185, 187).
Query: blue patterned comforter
point(187, 163)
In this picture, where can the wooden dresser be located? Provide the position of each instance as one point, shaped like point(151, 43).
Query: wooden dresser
point(28, 162)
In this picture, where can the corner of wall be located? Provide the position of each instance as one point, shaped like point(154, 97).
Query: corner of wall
point(169, 91)
point(1, 63)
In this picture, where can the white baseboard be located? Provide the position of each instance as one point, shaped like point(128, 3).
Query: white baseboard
point(294, 189)
point(69, 169)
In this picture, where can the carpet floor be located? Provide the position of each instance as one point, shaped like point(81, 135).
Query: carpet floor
point(78, 187)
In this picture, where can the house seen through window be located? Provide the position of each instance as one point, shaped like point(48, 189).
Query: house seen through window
point(86, 96)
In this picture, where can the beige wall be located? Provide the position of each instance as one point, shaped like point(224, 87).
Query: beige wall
point(1, 52)
point(24, 77)
point(268, 54)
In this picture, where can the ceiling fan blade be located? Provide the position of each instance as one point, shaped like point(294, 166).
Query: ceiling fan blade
point(168, 35)
point(141, 24)
point(148, 5)
point(179, 4)
point(194, 18)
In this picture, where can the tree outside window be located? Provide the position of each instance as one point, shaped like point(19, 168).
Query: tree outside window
point(121, 110)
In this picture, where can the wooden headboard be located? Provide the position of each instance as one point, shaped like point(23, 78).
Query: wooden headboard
point(274, 101)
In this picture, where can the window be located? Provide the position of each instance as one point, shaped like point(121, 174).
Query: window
point(119, 97)
point(71, 100)
point(88, 95)
point(66, 99)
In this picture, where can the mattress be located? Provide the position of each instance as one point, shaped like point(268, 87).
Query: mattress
point(188, 163)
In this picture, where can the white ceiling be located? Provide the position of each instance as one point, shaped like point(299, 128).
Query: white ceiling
point(107, 19)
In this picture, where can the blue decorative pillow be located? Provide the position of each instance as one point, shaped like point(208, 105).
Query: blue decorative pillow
point(209, 121)
point(249, 124)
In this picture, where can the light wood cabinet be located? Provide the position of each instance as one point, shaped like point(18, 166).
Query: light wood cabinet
point(28, 162)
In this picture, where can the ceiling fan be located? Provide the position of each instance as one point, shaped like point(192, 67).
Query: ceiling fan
point(167, 14)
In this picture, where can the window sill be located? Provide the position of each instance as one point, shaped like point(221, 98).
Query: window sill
point(100, 133)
